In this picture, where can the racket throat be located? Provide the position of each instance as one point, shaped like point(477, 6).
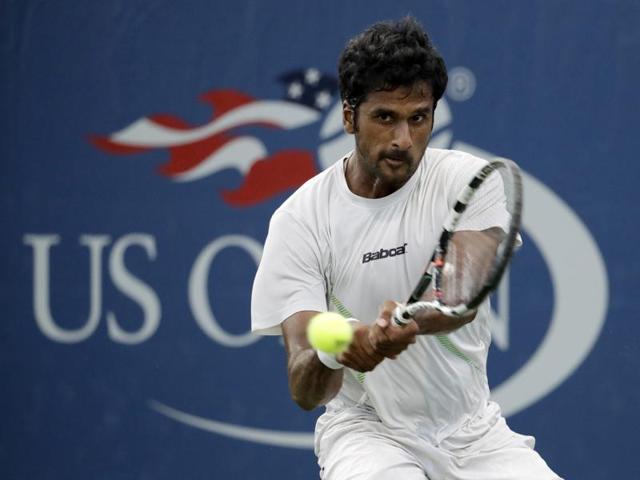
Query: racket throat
point(438, 266)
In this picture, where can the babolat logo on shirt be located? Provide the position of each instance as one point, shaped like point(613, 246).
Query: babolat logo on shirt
point(384, 253)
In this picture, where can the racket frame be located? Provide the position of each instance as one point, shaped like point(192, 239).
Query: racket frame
point(403, 314)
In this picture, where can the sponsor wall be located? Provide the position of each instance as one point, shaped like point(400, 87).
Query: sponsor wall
point(144, 146)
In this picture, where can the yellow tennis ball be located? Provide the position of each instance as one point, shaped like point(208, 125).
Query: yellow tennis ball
point(329, 332)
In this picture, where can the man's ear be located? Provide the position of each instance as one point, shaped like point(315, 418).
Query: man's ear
point(348, 117)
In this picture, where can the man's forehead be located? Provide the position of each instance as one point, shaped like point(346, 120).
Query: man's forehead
point(420, 93)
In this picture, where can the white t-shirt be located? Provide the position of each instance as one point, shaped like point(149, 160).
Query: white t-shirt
point(329, 249)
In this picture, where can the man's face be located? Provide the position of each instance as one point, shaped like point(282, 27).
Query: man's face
point(392, 130)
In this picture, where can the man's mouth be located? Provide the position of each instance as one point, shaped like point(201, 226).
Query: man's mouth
point(395, 160)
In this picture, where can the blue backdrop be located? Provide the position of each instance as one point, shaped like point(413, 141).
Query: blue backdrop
point(144, 146)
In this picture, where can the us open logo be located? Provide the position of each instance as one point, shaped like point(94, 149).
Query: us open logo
point(574, 263)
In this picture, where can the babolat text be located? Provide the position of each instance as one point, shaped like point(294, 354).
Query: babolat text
point(384, 253)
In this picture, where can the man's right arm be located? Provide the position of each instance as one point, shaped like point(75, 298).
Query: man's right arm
point(311, 383)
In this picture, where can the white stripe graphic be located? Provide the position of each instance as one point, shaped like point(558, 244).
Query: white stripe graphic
point(268, 437)
point(147, 133)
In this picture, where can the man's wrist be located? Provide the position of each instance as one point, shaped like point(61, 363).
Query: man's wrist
point(329, 360)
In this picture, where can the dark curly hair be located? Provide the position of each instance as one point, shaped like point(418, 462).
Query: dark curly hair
point(388, 55)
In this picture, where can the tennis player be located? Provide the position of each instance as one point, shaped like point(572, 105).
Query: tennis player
point(401, 403)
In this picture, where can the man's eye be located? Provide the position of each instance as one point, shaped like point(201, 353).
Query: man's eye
point(419, 118)
point(384, 117)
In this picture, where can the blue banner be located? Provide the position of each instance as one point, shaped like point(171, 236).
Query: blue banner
point(145, 145)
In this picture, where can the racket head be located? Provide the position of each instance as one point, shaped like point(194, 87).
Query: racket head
point(479, 238)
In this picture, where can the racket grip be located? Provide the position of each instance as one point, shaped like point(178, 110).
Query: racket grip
point(400, 316)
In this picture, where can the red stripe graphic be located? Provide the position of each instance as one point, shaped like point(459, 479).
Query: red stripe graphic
point(186, 157)
point(272, 175)
point(223, 101)
point(107, 145)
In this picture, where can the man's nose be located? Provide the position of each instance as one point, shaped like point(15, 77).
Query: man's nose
point(402, 136)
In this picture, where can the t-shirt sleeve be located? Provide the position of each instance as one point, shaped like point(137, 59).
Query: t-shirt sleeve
point(488, 207)
point(289, 277)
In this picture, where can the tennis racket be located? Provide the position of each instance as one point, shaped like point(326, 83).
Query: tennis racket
point(470, 259)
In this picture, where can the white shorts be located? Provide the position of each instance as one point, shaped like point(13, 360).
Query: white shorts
point(358, 446)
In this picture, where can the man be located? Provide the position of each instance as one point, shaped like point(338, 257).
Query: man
point(422, 408)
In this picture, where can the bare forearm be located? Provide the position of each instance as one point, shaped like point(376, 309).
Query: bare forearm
point(311, 383)
point(431, 322)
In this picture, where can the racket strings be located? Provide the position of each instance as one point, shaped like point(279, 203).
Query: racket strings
point(469, 262)
point(473, 256)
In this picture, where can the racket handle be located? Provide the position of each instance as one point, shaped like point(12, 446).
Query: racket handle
point(400, 316)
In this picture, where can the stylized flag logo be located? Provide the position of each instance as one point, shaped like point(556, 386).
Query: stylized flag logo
point(236, 137)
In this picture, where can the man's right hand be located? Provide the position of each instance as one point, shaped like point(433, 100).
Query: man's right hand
point(361, 354)
point(373, 343)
